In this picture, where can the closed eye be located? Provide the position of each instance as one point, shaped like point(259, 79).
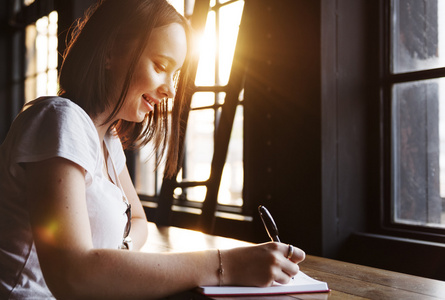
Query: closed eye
point(160, 67)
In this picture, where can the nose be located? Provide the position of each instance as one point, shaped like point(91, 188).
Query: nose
point(167, 89)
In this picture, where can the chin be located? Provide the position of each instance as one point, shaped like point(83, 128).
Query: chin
point(136, 119)
point(141, 118)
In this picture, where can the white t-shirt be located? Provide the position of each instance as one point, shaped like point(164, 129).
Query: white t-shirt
point(53, 127)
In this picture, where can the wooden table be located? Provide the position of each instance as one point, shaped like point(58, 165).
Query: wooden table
point(346, 280)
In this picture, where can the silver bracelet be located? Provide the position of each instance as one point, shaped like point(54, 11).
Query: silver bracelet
point(220, 269)
point(126, 244)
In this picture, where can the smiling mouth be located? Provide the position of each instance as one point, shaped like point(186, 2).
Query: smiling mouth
point(149, 100)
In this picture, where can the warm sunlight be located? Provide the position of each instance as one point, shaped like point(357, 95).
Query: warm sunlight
point(216, 48)
point(218, 44)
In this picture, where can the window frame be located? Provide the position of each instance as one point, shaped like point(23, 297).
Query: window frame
point(19, 17)
point(388, 80)
point(181, 203)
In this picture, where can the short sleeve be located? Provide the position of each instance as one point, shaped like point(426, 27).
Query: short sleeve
point(56, 127)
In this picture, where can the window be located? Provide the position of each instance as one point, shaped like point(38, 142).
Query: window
point(34, 24)
point(216, 53)
point(414, 93)
point(41, 58)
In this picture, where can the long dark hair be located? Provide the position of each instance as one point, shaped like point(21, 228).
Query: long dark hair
point(83, 76)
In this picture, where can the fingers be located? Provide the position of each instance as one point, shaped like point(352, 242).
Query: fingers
point(262, 264)
point(294, 254)
point(288, 263)
point(286, 274)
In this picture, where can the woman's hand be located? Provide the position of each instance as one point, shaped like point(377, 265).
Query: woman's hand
point(260, 265)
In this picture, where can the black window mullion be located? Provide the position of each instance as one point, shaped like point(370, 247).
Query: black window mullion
point(27, 15)
point(415, 76)
point(388, 80)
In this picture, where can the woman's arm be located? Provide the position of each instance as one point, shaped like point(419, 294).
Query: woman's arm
point(139, 229)
point(73, 269)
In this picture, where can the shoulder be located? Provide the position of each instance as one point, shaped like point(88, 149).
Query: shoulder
point(54, 127)
point(58, 115)
point(57, 107)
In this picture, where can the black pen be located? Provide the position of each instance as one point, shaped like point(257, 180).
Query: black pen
point(269, 223)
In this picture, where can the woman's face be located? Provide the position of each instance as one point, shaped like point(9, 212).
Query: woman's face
point(153, 79)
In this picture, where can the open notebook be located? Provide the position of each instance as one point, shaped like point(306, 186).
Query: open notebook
point(301, 283)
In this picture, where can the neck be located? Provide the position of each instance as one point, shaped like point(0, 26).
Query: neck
point(101, 127)
point(102, 131)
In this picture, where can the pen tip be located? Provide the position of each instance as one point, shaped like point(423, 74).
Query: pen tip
point(260, 209)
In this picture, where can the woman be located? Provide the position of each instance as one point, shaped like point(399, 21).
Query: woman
point(68, 207)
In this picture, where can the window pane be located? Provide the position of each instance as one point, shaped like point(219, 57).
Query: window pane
point(178, 5)
point(42, 44)
point(30, 88)
point(418, 152)
point(230, 17)
point(145, 172)
point(30, 44)
point(42, 81)
point(418, 39)
point(41, 58)
point(231, 189)
point(205, 75)
point(195, 194)
point(203, 99)
point(199, 145)
point(225, 41)
point(199, 158)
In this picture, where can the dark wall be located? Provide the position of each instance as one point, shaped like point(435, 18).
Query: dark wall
point(11, 50)
point(283, 120)
point(4, 74)
point(350, 68)
point(310, 106)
